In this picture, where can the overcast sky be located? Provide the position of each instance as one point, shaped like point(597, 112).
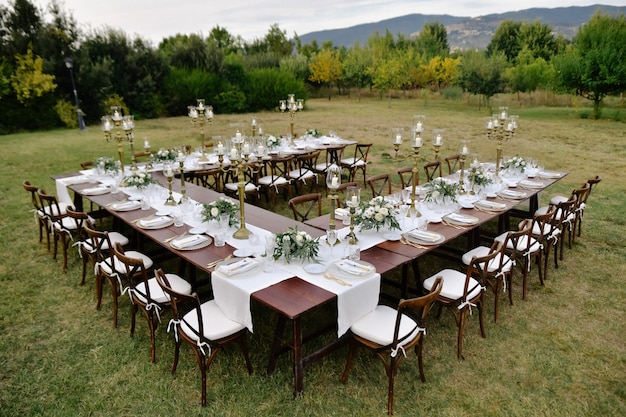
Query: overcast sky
point(251, 19)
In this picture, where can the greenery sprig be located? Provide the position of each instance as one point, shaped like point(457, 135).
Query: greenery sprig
point(375, 214)
point(480, 177)
point(439, 188)
point(164, 155)
point(138, 179)
point(213, 210)
point(294, 244)
point(109, 164)
point(517, 162)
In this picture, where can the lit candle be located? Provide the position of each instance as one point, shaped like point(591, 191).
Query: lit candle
point(238, 137)
point(253, 122)
point(398, 139)
point(107, 126)
point(181, 156)
point(209, 114)
point(418, 127)
point(261, 150)
point(490, 125)
point(220, 148)
point(438, 140)
point(233, 153)
point(418, 142)
point(146, 143)
point(334, 182)
point(246, 149)
point(503, 115)
point(464, 151)
point(354, 200)
point(169, 172)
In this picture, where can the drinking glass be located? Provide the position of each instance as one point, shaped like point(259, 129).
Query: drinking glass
point(331, 238)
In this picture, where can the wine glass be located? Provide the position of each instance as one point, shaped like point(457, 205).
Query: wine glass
point(331, 239)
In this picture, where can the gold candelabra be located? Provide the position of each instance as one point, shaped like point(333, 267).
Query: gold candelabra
point(416, 142)
point(201, 114)
point(292, 105)
point(437, 141)
point(240, 163)
point(501, 127)
point(463, 155)
point(146, 148)
point(180, 158)
point(333, 181)
point(353, 199)
point(168, 171)
point(124, 131)
point(474, 167)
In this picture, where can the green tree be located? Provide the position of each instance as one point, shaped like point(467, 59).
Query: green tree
point(506, 39)
point(529, 73)
point(481, 74)
point(325, 68)
point(29, 82)
point(595, 64)
point(433, 40)
point(355, 68)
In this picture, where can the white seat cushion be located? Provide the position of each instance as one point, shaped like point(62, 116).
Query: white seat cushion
point(234, 186)
point(558, 199)
point(378, 326)
point(156, 293)
point(494, 264)
point(453, 284)
point(273, 181)
point(119, 266)
point(522, 243)
point(302, 175)
point(216, 324)
point(62, 207)
point(350, 162)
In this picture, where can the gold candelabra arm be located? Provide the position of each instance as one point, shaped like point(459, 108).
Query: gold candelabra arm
point(437, 149)
point(462, 189)
point(240, 167)
point(352, 239)
point(183, 191)
point(170, 199)
point(415, 171)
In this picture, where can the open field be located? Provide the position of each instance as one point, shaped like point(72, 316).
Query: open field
point(561, 352)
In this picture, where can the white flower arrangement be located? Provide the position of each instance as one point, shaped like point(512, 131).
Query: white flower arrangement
point(164, 155)
point(517, 162)
point(439, 188)
point(294, 244)
point(272, 142)
point(375, 214)
point(212, 211)
point(313, 132)
point(108, 164)
point(479, 177)
point(138, 179)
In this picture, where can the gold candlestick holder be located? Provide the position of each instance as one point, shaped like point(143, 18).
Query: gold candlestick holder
point(240, 165)
point(333, 180)
point(353, 199)
point(183, 190)
point(462, 157)
point(124, 131)
point(501, 127)
point(416, 142)
point(292, 105)
point(168, 171)
point(201, 114)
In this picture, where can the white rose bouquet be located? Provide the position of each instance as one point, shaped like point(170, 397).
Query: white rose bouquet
point(164, 155)
point(439, 188)
point(108, 164)
point(375, 214)
point(313, 132)
point(294, 244)
point(480, 177)
point(138, 179)
point(212, 211)
point(272, 142)
point(517, 162)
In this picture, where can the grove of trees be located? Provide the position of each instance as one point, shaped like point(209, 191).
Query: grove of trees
point(234, 75)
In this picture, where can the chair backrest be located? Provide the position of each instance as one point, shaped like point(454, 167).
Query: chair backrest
point(378, 184)
point(307, 162)
point(135, 271)
point(565, 212)
point(80, 220)
point(361, 150)
point(143, 155)
point(406, 176)
point(342, 187)
point(453, 163)
point(593, 181)
point(86, 164)
point(99, 244)
point(581, 195)
point(478, 269)
point(304, 206)
point(417, 308)
point(181, 303)
point(432, 170)
point(50, 206)
point(209, 178)
point(33, 195)
point(279, 166)
point(334, 154)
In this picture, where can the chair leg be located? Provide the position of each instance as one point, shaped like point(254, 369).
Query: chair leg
point(461, 324)
point(420, 360)
point(244, 348)
point(99, 283)
point(346, 370)
point(391, 374)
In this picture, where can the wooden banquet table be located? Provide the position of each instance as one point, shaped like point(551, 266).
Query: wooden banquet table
point(291, 292)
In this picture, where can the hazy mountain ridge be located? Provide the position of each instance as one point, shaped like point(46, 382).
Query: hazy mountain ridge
point(465, 32)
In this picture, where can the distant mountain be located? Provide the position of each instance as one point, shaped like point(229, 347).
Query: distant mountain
point(464, 32)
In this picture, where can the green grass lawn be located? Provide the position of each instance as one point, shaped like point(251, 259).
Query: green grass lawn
point(561, 352)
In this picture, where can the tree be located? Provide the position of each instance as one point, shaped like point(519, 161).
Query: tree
point(506, 39)
point(529, 73)
point(29, 81)
point(433, 40)
point(595, 64)
point(481, 74)
point(355, 66)
point(325, 68)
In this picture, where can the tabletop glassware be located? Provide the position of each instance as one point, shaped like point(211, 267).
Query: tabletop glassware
point(331, 239)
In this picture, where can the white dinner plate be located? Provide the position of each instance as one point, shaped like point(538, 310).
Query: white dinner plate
point(392, 236)
point(436, 239)
point(342, 273)
point(243, 252)
point(197, 230)
point(201, 242)
point(315, 268)
point(153, 224)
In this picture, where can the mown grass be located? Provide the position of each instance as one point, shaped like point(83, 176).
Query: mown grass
point(561, 352)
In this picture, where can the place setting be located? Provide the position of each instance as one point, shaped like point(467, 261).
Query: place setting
point(154, 222)
point(190, 242)
point(99, 190)
point(239, 267)
point(126, 205)
point(422, 238)
point(487, 206)
point(459, 221)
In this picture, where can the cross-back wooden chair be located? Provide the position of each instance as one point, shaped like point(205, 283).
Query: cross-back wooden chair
point(307, 206)
point(390, 332)
point(304, 172)
point(145, 293)
point(203, 326)
point(39, 214)
point(453, 162)
point(432, 170)
point(59, 225)
point(276, 178)
point(380, 184)
point(333, 155)
point(358, 161)
point(406, 177)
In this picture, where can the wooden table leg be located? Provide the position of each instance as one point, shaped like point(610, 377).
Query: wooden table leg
point(277, 346)
point(298, 367)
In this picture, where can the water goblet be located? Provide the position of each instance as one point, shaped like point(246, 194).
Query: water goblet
point(331, 239)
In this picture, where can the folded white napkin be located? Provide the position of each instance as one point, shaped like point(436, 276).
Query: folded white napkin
point(78, 179)
point(511, 193)
point(340, 212)
point(155, 221)
point(353, 267)
point(126, 205)
point(188, 241)
point(425, 236)
point(461, 218)
point(96, 190)
point(549, 174)
point(238, 267)
point(492, 205)
point(531, 184)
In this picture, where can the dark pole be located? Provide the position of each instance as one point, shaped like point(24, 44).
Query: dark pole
point(81, 122)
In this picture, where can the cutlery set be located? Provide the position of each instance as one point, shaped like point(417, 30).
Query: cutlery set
point(214, 263)
point(339, 281)
point(169, 239)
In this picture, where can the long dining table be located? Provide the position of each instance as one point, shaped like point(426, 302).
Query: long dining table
point(290, 291)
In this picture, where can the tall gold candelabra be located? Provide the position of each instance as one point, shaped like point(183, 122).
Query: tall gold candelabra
point(124, 131)
point(333, 181)
point(240, 163)
point(437, 141)
point(201, 114)
point(168, 171)
point(181, 161)
point(462, 157)
point(292, 105)
point(353, 199)
point(416, 142)
point(501, 127)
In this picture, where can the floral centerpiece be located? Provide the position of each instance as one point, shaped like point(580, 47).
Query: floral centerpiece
point(164, 155)
point(313, 132)
point(480, 177)
point(213, 210)
point(272, 142)
point(439, 190)
point(108, 164)
point(294, 244)
point(516, 163)
point(138, 179)
point(375, 214)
